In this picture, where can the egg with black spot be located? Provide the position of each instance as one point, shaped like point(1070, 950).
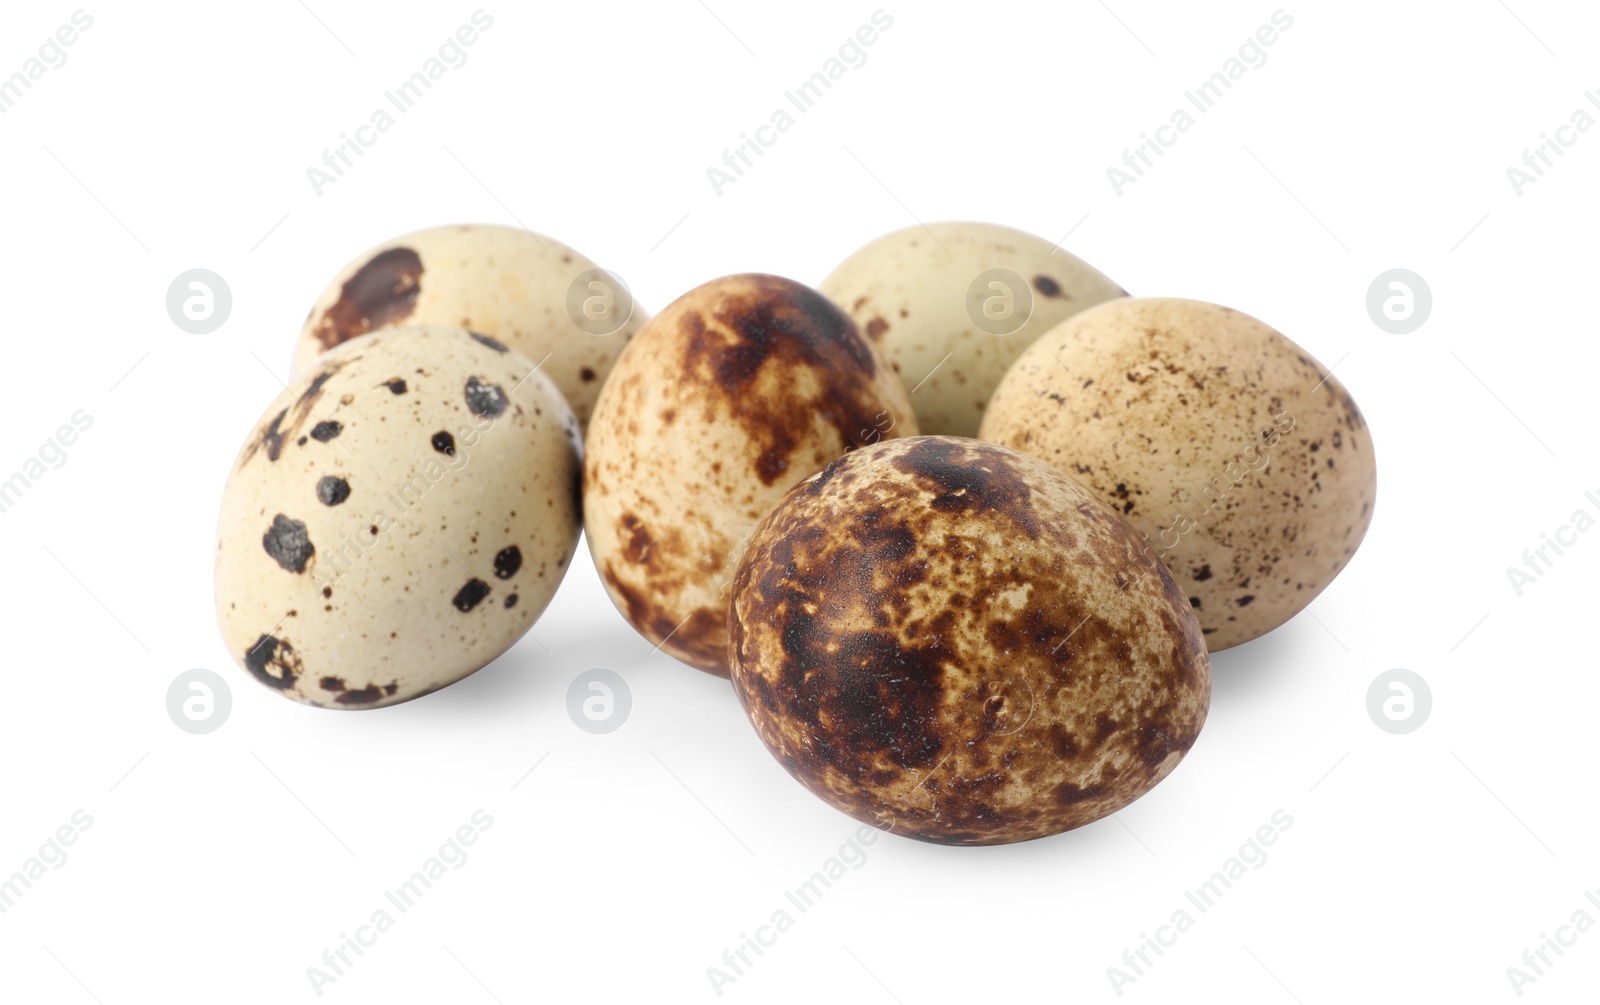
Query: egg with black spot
point(739, 389)
point(1244, 462)
point(955, 642)
point(513, 288)
point(399, 517)
point(951, 306)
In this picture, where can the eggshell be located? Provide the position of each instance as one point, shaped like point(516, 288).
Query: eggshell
point(1247, 466)
point(954, 641)
point(527, 290)
point(738, 390)
point(398, 518)
point(921, 295)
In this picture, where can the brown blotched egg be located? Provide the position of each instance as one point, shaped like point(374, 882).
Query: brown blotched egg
point(399, 517)
point(738, 390)
point(529, 291)
point(952, 305)
point(957, 642)
point(1247, 466)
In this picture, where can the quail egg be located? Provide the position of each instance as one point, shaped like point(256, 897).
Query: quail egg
point(956, 642)
point(398, 518)
point(1245, 463)
point(738, 390)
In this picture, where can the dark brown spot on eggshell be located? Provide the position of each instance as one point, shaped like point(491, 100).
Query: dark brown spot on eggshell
point(382, 292)
point(493, 343)
point(332, 490)
point(470, 595)
point(273, 662)
point(271, 438)
point(507, 561)
point(962, 483)
point(286, 541)
point(486, 400)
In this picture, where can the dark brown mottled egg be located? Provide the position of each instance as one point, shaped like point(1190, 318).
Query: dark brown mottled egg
point(1243, 462)
point(737, 391)
point(398, 517)
point(956, 642)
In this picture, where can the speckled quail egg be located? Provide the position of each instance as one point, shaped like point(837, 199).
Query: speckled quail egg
point(527, 290)
point(952, 305)
point(398, 518)
point(956, 642)
point(738, 390)
point(1246, 465)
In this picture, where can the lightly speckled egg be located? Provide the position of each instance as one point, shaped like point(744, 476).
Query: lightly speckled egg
point(739, 389)
point(398, 518)
point(952, 305)
point(530, 291)
point(1246, 465)
point(956, 642)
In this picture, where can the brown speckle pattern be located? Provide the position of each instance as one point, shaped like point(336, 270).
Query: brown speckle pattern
point(735, 392)
point(1212, 432)
point(956, 638)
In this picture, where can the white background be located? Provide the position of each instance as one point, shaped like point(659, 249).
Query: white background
point(220, 867)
